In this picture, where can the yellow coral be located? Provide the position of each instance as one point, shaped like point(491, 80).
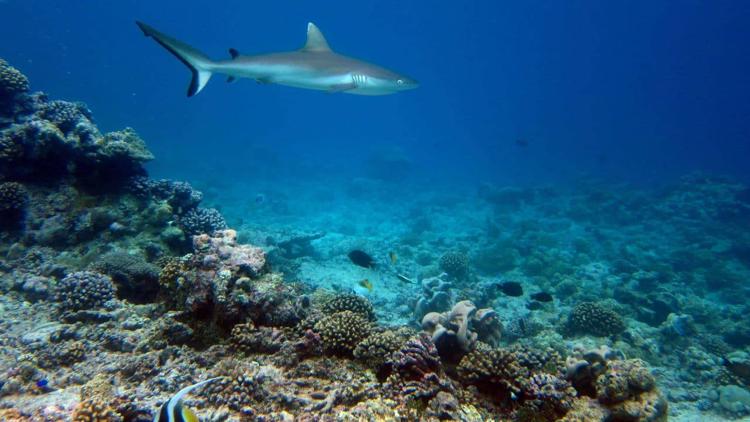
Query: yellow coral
point(94, 411)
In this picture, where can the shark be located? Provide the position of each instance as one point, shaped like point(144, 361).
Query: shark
point(314, 66)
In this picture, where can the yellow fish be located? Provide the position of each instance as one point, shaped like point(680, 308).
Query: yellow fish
point(366, 284)
point(394, 257)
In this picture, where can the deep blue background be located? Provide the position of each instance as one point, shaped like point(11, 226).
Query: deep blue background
point(631, 90)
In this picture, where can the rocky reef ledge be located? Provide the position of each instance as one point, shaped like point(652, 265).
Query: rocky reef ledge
point(119, 290)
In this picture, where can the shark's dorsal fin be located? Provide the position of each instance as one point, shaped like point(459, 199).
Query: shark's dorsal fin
point(315, 39)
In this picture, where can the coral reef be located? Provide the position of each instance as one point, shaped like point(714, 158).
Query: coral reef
point(117, 291)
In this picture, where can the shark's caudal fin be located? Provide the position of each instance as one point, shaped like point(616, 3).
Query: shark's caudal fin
point(198, 62)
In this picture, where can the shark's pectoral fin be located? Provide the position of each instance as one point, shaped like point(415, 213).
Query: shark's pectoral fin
point(341, 87)
point(263, 81)
point(231, 79)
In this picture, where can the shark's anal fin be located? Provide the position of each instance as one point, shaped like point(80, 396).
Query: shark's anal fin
point(234, 53)
point(231, 79)
point(341, 87)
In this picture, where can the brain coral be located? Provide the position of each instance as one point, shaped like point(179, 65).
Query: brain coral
point(349, 302)
point(593, 318)
point(342, 331)
point(84, 290)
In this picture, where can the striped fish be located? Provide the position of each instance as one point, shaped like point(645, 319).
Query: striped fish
point(174, 411)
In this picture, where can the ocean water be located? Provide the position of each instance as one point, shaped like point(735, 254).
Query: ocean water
point(595, 151)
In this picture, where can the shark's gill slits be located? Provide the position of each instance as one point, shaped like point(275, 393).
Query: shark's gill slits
point(359, 80)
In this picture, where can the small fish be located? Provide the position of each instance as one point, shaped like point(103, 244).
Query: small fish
point(366, 284)
point(361, 259)
point(173, 410)
point(405, 279)
point(260, 199)
point(511, 288)
point(522, 142)
point(42, 383)
point(542, 297)
point(393, 256)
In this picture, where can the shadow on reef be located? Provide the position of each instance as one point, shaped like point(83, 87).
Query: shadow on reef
point(119, 290)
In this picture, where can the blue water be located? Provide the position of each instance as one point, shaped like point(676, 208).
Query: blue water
point(625, 91)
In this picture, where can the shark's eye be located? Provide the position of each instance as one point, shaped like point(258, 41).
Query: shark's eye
point(400, 81)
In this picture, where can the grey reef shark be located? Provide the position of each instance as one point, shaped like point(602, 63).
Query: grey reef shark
point(314, 66)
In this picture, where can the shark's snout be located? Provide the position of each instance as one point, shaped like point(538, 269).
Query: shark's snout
point(405, 83)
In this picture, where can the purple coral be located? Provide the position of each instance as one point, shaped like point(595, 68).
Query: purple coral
point(418, 358)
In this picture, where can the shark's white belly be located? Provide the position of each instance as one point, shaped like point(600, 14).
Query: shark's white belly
point(295, 76)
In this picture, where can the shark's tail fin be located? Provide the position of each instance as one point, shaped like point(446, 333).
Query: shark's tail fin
point(198, 62)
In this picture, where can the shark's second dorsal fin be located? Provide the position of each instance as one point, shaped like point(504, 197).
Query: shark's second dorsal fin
point(315, 39)
point(234, 53)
